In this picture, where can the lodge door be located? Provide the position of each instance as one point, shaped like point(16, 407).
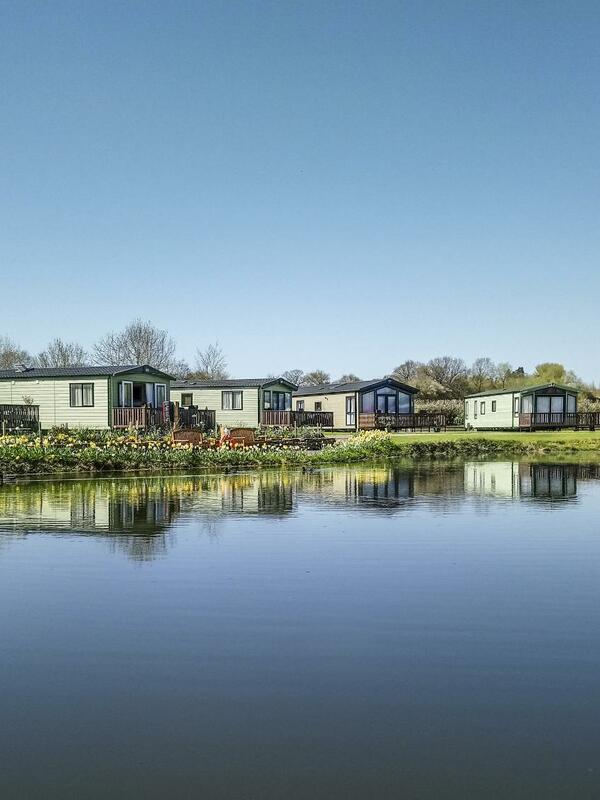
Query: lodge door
point(351, 411)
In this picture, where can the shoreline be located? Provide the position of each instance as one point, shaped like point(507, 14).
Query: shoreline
point(152, 457)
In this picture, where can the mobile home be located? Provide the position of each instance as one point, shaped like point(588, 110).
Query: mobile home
point(360, 405)
point(238, 402)
point(88, 396)
point(547, 406)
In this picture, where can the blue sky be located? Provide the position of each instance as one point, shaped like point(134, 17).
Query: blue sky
point(314, 184)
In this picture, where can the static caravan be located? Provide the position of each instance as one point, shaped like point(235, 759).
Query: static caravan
point(239, 402)
point(532, 407)
point(88, 396)
point(360, 405)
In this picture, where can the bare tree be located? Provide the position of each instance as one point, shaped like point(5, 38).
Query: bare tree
point(211, 363)
point(407, 371)
point(62, 354)
point(449, 372)
point(293, 375)
point(139, 343)
point(180, 369)
point(11, 354)
point(504, 371)
point(348, 378)
point(483, 373)
point(316, 378)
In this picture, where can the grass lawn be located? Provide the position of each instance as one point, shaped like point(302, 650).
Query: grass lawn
point(517, 436)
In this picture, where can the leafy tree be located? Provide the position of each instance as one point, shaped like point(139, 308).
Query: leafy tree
point(11, 354)
point(316, 378)
point(62, 354)
point(552, 372)
point(293, 375)
point(140, 342)
point(349, 378)
point(211, 364)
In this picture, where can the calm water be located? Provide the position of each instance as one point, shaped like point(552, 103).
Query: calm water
point(343, 633)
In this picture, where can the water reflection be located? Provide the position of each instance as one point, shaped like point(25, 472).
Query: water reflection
point(138, 514)
point(519, 480)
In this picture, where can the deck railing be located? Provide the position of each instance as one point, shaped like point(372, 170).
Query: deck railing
point(192, 417)
point(17, 417)
point(138, 417)
point(581, 419)
point(400, 422)
point(285, 419)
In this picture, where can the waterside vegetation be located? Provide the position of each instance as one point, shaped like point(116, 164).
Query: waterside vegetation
point(107, 451)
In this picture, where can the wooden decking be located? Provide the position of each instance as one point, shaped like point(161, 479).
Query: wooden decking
point(402, 422)
point(170, 414)
point(140, 417)
point(582, 419)
point(19, 417)
point(287, 419)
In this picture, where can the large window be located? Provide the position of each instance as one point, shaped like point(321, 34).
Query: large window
point(267, 400)
point(385, 400)
point(367, 402)
point(571, 403)
point(542, 405)
point(281, 401)
point(232, 401)
point(403, 403)
point(81, 395)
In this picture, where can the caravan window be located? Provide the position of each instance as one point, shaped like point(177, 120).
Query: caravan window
point(81, 395)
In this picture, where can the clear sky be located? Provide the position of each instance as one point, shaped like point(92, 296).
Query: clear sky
point(335, 185)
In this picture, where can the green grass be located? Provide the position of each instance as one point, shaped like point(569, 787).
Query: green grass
point(520, 437)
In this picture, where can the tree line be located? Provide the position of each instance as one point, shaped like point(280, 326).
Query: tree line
point(443, 378)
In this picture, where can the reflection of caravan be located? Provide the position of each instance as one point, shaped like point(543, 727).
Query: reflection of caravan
point(511, 479)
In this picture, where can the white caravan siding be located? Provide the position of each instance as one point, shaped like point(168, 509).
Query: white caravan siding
point(502, 417)
point(247, 417)
point(335, 402)
point(52, 396)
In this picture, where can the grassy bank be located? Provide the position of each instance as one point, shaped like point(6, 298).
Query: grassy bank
point(103, 452)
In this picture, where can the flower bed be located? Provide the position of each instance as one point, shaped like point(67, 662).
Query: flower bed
point(97, 451)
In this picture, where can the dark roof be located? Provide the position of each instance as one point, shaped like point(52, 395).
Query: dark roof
point(226, 382)
point(353, 386)
point(524, 389)
point(90, 371)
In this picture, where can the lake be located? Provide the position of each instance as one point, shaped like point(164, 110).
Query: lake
point(427, 631)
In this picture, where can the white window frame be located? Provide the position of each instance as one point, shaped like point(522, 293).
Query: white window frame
point(122, 385)
point(232, 393)
point(162, 386)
